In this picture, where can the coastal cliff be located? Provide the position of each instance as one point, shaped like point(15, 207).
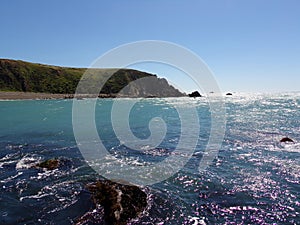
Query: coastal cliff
point(20, 76)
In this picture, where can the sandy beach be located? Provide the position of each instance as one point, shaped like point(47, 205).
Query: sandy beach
point(5, 95)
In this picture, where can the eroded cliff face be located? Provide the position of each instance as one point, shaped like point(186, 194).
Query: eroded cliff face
point(150, 87)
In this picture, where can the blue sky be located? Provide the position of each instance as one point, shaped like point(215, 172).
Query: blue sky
point(251, 46)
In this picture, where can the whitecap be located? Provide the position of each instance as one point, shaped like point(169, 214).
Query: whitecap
point(28, 161)
point(291, 147)
point(196, 220)
point(11, 178)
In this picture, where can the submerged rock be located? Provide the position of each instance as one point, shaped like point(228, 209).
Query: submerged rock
point(195, 94)
point(121, 202)
point(49, 164)
point(286, 139)
point(55, 163)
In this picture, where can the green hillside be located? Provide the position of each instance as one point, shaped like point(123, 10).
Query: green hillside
point(23, 76)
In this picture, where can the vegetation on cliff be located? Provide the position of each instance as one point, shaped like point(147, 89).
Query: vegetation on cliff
point(23, 76)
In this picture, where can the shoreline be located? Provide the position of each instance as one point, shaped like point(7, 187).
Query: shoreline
point(18, 95)
point(11, 95)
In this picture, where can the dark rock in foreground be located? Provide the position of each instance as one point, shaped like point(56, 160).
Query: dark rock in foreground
point(286, 139)
point(121, 203)
point(195, 94)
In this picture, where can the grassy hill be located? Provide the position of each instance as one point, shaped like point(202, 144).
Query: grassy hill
point(23, 76)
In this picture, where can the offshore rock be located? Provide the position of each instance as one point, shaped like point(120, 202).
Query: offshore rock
point(286, 139)
point(121, 202)
point(195, 94)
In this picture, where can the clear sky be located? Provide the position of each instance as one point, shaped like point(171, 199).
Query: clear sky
point(251, 46)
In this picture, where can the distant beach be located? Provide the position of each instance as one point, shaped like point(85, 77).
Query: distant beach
point(7, 95)
point(11, 95)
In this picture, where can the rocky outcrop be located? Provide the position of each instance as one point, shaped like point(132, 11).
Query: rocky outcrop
point(229, 94)
point(121, 202)
point(195, 94)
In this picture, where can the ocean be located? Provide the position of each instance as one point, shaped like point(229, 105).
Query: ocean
point(255, 179)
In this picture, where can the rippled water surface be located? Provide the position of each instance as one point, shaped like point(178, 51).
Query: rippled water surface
point(254, 180)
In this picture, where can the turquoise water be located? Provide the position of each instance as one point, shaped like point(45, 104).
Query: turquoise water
point(254, 180)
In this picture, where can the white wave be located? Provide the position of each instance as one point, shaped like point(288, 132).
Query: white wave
point(8, 159)
point(196, 220)
point(9, 156)
point(27, 162)
point(39, 195)
point(11, 178)
point(58, 193)
point(290, 147)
